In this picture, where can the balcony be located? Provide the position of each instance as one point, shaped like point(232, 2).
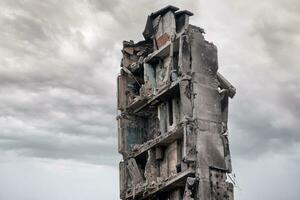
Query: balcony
point(171, 89)
point(162, 140)
point(164, 51)
point(173, 182)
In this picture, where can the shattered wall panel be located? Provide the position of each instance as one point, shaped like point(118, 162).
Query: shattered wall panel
point(172, 130)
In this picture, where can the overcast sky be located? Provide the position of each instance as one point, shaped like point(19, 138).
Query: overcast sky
point(58, 67)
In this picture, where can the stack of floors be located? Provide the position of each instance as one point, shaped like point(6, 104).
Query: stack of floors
point(172, 129)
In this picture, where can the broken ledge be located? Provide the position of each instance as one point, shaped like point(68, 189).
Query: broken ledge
point(170, 89)
point(162, 140)
point(176, 181)
point(226, 85)
point(164, 51)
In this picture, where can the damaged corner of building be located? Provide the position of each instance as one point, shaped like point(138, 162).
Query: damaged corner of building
point(172, 130)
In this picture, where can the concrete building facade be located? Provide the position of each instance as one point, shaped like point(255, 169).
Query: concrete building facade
point(172, 127)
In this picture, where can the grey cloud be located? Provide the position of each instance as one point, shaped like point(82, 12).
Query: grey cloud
point(290, 96)
point(60, 74)
point(27, 29)
point(131, 15)
point(105, 5)
point(265, 114)
point(54, 86)
point(280, 33)
point(90, 151)
point(60, 57)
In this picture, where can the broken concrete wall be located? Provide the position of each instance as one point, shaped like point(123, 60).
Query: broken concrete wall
point(149, 79)
point(186, 100)
point(166, 28)
point(122, 179)
point(131, 131)
point(168, 167)
point(208, 114)
point(152, 167)
point(173, 132)
point(135, 130)
point(221, 189)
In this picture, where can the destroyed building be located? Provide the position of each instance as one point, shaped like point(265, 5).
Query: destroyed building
point(172, 126)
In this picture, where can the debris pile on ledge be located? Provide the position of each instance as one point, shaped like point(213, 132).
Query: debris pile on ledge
point(172, 130)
